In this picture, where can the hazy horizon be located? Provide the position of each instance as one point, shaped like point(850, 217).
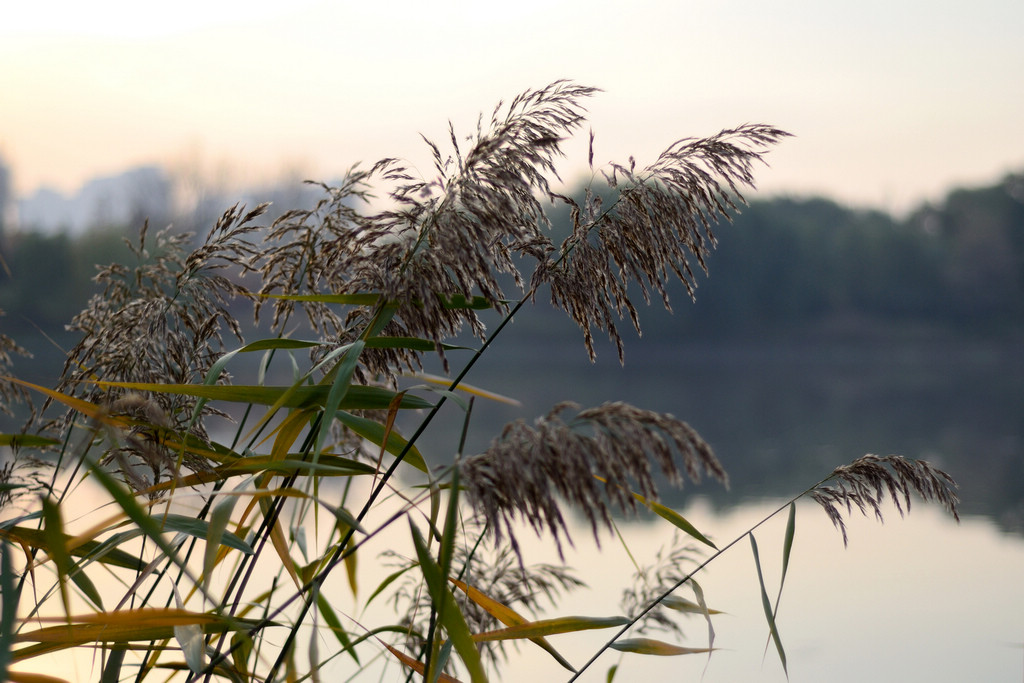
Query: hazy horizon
point(891, 105)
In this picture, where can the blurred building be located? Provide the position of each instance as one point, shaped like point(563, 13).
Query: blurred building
point(6, 201)
point(123, 200)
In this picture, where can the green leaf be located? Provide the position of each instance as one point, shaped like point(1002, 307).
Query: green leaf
point(112, 669)
point(367, 299)
point(698, 592)
point(143, 521)
point(26, 441)
point(344, 517)
point(387, 582)
point(9, 598)
point(460, 301)
point(101, 552)
point(509, 617)
point(448, 610)
point(451, 520)
point(650, 646)
point(220, 516)
point(278, 343)
point(787, 545)
point(688, 606)
point(413, 343)
point(201, 529)
point(56, 547)
point(340, 386)
point(328, 465)
point(302, 396)
point(86, 585)
point(374, 432)
point(679, 521)
point(766, 603)
point(327, 612)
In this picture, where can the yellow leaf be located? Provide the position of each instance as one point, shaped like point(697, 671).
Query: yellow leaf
point(415, 664)
point(650, 646)
point(509, 617)
point(19, 677)
point(468, 388)
point(548, 627)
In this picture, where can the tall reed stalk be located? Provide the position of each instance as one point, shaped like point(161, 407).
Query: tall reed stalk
point(237, 477)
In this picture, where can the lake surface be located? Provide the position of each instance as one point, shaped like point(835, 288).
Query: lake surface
point(920, 598)
point(781, 416)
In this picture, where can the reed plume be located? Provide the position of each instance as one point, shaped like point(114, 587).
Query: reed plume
point(864, 483)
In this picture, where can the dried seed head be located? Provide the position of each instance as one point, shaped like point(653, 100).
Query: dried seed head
point(528, 472)
point(864, 483)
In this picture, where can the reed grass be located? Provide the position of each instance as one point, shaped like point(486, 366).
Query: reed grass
point(214, 551)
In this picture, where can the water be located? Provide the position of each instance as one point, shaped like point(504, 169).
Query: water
point(920, 598)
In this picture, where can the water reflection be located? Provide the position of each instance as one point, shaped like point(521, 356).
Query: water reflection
point(917, 599)
point(781, 416)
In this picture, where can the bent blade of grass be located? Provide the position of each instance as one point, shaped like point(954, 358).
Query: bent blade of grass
point(766, 603)
point(201, 529)
point(190, 639)
point(295, 463)
point(112, 669)
point(214, 373)
point(378, 434)
point(278, 343)
point(509, 617)
point(466, 388)
point(141, 518)
point(651, 646)
point(26, 441)
point(388, 580)
point(340, 385)
point(698, 593)
point(280, 542)
point(358, 397)
point(56, 546)
point(448, 610)
point(82, 406)
point(669, 515)
point(125, 626)
point(411, 343)
point(9, 599)
point(23, 677)
point(334, 624)
point(416, 665)
point(787, 547)
point(684, 605)
point(241, 650)
point(442, 660)
point(220, 517)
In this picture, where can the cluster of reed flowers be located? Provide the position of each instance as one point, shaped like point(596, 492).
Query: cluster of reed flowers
point(376, 282)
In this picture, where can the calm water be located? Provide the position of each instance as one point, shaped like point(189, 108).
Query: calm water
point(781, 416)
point(916, 599)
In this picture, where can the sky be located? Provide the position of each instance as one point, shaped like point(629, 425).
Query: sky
point(892, 102)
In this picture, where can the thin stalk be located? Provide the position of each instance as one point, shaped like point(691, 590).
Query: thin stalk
point(678, 584)
point(339, 552)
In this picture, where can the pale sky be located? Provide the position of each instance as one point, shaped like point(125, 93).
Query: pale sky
point(892, 101)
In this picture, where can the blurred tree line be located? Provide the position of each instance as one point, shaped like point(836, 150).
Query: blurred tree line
point(814, 264)
point(783, 265)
